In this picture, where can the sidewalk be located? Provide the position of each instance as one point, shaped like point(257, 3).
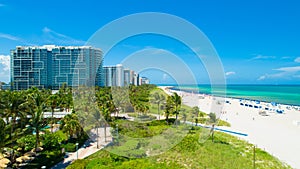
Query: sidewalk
point(89, 147)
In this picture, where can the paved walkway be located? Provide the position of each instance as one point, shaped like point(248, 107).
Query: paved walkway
point(89, 147)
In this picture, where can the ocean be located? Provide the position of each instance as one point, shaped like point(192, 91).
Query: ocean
point(284, 94)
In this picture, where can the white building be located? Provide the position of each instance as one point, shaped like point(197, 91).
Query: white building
point(118, 76)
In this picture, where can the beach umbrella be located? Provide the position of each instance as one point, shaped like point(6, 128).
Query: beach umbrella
point(23, 158)
point(4, 162)
point(279, 111)
point(38, 149)
point(30, 154)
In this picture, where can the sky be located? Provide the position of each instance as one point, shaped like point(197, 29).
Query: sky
point(257, 41)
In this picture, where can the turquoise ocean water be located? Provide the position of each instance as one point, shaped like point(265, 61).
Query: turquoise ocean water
point(284, 94)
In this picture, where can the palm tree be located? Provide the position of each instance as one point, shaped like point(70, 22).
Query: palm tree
point(169, 108)
point(37, 106)
point(195, 111)
point(105, 119)
point(104, 99)
point(13, 107)
point(71, 125)
point(53, 101)
point(65, 94)
point(3, 133)
point(176, 99)
point(158, 99)
point(184, 115)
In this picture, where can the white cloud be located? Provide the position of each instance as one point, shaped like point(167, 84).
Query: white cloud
point(259, 57)
point(285, 73)
point(10, 37)
point(165, 77)
point(289, 69)
point(297, 60)
point(285, 57)
point(262, 77)
point(229, 73)
point(19, 40)
point(5, 62)
point(51, 36)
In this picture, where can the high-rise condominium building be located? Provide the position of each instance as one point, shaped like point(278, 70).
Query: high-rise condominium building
point(109, 74)
point(145, 80)
point(118, 76)
point(127, 77)
point(50, 66)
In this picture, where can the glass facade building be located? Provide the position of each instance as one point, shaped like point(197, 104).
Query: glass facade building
point(50, 66)
point(118, 76)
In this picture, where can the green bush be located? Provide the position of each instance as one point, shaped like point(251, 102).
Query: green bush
point(53, 140)
point(202, 120)
point(212, 117)
point(46, 158)
point(27, 142)
point(70, 147)
point(223, 123)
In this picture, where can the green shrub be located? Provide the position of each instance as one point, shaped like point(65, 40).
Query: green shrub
point(46, 158)
point(69, 147)
point(27, 142)
point(53, 140)
point(223, 123)
point(212, 117)
point(202, 120)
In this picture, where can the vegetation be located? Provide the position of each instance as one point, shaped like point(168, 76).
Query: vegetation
point(24, 128)
point(226, 151)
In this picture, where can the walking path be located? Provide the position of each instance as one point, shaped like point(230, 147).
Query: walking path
point(89, 147)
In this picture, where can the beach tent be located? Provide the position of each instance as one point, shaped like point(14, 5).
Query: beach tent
point(273, 104)
point(279, 111)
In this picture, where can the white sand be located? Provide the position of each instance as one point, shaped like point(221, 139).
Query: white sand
point(278, 134)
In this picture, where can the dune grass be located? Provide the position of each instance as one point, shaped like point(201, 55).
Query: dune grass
point(225, 152)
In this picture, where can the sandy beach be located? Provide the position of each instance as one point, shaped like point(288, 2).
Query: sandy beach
point(276, 133)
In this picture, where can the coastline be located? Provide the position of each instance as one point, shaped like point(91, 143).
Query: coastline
point(242, 92)
point(276, 133)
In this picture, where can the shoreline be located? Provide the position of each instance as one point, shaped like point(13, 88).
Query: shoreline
point(276, 133)
point(234, 97)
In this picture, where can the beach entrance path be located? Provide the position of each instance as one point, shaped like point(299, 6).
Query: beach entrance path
point(89, 147)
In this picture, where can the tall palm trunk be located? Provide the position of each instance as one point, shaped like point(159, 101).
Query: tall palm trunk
point(52, 118)
point(37, 139)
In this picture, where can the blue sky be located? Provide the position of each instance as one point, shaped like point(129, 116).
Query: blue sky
point(257, 41)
